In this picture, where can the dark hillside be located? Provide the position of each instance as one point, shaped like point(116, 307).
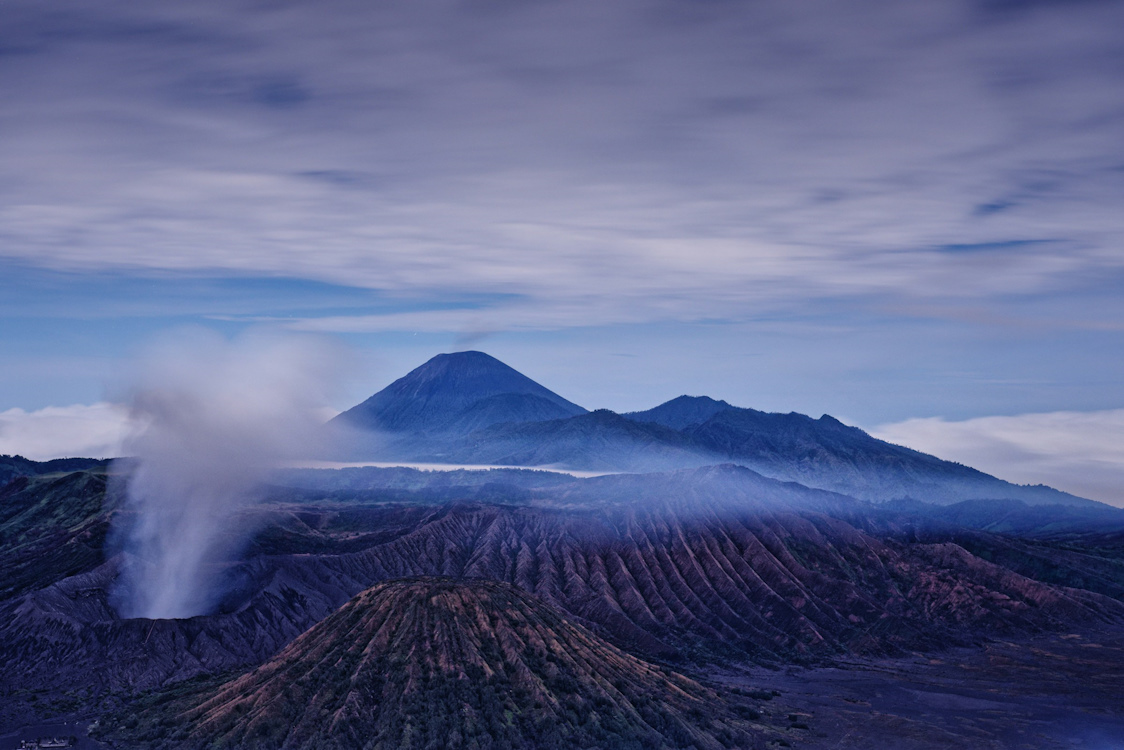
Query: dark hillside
point(51, 527)
point(702, 566)
point(18, 466)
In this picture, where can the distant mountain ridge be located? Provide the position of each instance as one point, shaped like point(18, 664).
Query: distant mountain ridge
point(470, 408)
point(682, 412)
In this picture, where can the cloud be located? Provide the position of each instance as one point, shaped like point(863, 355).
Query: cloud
point(1080, 452)
point(92, 431)
point(670, 160)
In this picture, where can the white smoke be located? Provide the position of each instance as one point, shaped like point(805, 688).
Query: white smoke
point(212, 418)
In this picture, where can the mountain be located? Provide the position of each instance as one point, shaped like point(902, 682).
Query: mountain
point(828, 454)
point(599, 441)
point(439, 662)
point(681, 413)
point(458, 392)
point(470, 408)
point(18, 466)
point(822, 453)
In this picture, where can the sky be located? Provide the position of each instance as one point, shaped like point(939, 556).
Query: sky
point(906, 215)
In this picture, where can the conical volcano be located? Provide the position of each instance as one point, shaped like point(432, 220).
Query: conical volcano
point(459, 392)
point(435, 662)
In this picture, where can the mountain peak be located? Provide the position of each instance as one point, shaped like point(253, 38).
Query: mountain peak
point(463, 360)
point(471, 385)
point(681, 412)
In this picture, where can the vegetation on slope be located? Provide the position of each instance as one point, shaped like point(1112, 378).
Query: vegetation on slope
point(51, 527)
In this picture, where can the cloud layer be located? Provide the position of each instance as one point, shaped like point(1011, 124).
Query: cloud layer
point(1080, 452)
point(93, 431)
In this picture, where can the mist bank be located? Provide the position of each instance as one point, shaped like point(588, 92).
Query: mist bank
point(1082, 452)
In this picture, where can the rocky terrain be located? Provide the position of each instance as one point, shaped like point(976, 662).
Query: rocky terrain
point(694, 567)
point(1053, 691)
point(439, 662)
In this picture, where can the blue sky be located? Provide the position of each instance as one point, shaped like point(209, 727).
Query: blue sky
point(884, 211)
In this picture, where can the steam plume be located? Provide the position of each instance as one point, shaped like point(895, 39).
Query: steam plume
point(212, 418)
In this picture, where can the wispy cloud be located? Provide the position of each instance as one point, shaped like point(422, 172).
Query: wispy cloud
point(1080, 452)
point(87, 430)
point(667, 160)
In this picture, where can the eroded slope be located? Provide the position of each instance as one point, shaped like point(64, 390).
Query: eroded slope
point(433, 662)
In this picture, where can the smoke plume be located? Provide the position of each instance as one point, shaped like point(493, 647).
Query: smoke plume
point(212, 417)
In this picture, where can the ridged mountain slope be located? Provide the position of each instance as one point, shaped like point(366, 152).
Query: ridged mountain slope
point(599, 441)
point(827, 454)
point(437, 662)
point(713, 563)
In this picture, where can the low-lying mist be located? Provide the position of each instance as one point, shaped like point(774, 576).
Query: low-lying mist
point(212, 417)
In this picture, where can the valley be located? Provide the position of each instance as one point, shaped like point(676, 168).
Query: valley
point(1054, 691)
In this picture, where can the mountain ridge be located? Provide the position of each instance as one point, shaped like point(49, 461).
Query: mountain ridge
point(470, 408)
point(681, 412)
point(12, 467)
